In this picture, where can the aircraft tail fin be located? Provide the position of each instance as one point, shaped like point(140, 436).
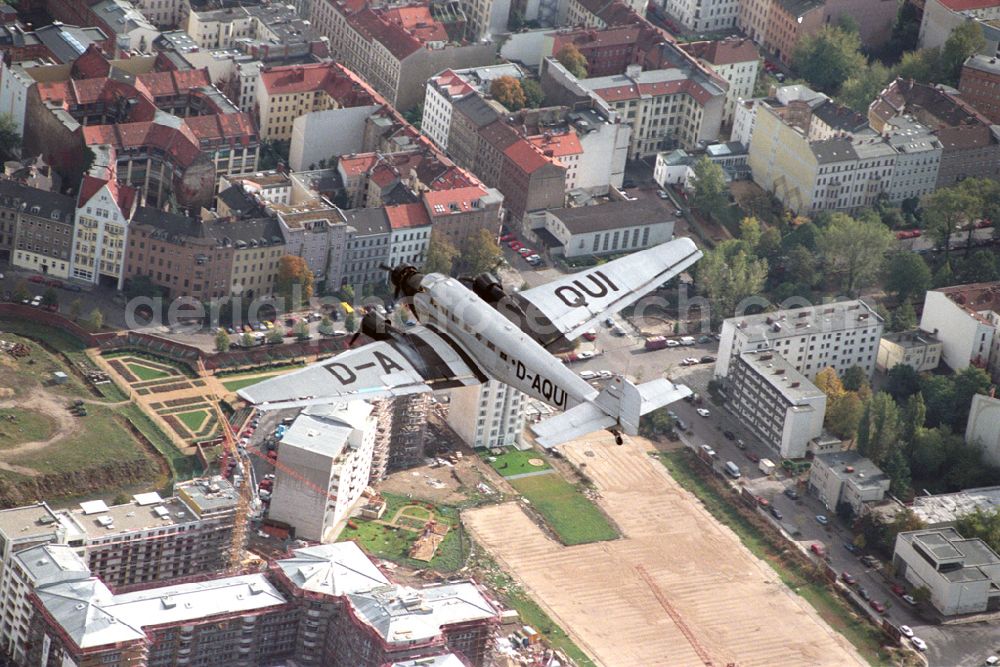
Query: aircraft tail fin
point(619, 405)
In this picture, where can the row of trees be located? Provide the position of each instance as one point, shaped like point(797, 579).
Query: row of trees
point(481, 254)
point(517, 94)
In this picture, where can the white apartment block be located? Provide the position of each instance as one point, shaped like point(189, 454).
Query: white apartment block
point(326, 458)
point(409, 235)
point(836, 335)
point(442, 92)
point(918, 349)
point(846, 478)
point(736, 60)
point(704, 15)
point(962, 575)
point(486, 18)
point(983, 429)
point(101, 231)
point(490, 415)
point(965, 319)
point(162, 13)
point(776, 401)
point(665, 108)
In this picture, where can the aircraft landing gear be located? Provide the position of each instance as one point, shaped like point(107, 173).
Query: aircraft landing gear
point(618, 438)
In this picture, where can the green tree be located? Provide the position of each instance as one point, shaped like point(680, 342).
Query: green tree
point(481, 253)
point(939, 396)
point(929, 453)
point(351, 323)
point(769, 245)
point(20, 291)
point(247, 340)
point(75, 308)
point(507, 91)
point(913, 416)
point(294, 283)
point(853, 250)
point(326, 326)
point(49, 297)
point(800, 266)
point(728, 274)
point(982, 524)
point(862, 88)
point(414, 116)
point(944, 277)
point(534, 96)
point(906, 275)
point(10, 138)
point(222, 341)
point(96, 319)
point(709, 187)
point(570, 57)
point(946, 210)
point(968, 382)
point(923, 65)
point(980, 266)
point(441, 255)
point(275, 334)
point(750, 232)
point(854, 378)
point(904, 318)
point(828, 382)
point(878, 432)
point(301, 330)
point(829, 58)
point(965, 40)
point(843, 415)
point(897, 469)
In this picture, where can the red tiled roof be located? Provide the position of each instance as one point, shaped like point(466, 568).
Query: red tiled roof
point(964, 5)
point(591, 38)
point(178, 142)
point(418, 21)
point(629, 91)
point(216, 127)
point(528, 158)
point(339, 83)
point(448, 202)
point(353, 165)
point(407, 216)
point(558, 144)
point(169, 84)
point(723, 52)
point(124, 195)
point(400, 42)
point(452, 84)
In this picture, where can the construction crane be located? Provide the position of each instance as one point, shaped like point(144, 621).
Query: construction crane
point(244, 493)
point(675, 616)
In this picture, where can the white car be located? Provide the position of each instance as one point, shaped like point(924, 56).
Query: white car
point(673, 343)
point(588, 375)
point(586, 354)
point(918, 643)
point(703, 412)
point(906, 631)
point(37, 301)
point(605, 374)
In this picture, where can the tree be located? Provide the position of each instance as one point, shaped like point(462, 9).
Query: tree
point(247, 340)
point(769, 245)
point(945, 210)
point(860, 89)
point(414, 116)
point(295, 281)
point(981, 266)
point(570, 57)
point(828, 382)
point(964, 41)
point(728, 274)
point(750, 233)
point(326, 326)
point(939, 397)
point(301, 330)
point(481, 253)
point(534, 96)
point(800, 266)
point(75, 308)
point(222, 341)
point(20, 291)
point(441, 255)
point(10, 138)
point(96, 319)
point(898, 471)
point(507, 91)
point(49, 297)
point(904, 318)
point(351, 323)
point(854, 378)
point(878, 432)
point(928, 453)
point(829, 58)
point(913, 417)
point(968, 382)
point(982, 524)
point(709, 187)
point(923, 65)
point(843, 415)
point(906, 275)
point(854, 250)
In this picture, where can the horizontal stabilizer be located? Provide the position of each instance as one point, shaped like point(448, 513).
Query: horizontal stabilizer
point(574, 423)
point(657, 393)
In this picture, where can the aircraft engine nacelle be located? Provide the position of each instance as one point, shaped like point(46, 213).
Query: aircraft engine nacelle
point(488, 288)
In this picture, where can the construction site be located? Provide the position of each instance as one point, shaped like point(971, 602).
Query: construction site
point(677, 589)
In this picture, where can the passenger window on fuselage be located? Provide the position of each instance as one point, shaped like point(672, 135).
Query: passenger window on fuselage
point(503, 355)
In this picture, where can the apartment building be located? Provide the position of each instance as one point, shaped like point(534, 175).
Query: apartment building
point(409, 233)
point(941, 17)
point(836, 335)
point(396, 49)
point(36, 228)
point(600, 13)
point(229, 27)
point(703, 15)
point(611, 228)
point(962, 575)
point(103, 211)
point(775, 400)
point(608, 50)
point(56, 42)
point(847, 478)
point(970, 143)
point(916, 348)
point(675, 103)
point(965, 318)
point(490, 415)
point(123, 21)
point(486, 18)
point(287, 92)
point(983, 431)
point(157, 539)
point(169, 133)
point(980, 85)
point(734, 59)
point(778, 26)
point(326, 448)
point(162, 13)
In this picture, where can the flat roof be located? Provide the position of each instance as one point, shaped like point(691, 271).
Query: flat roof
point(911, 339)
point(325, 429)
point(862, 471)
point(207, 496)
point(809, 320)
point(615, 215)
point(28, 522)
point(949, 507)
point(445, 660)
point(978, 561)
point(131, 517)
point(780, 374)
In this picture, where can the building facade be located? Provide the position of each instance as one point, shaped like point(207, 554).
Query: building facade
point(918, 349)
point(983, 427)
point(103, 211)
point(735, 60)
point(490, 415)
point(42, 228)
point(980, 85)
point(965, 319)
point(846, 478)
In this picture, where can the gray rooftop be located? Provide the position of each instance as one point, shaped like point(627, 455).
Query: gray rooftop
point(984, 63)
point(446, 660)
point(333, 569)
point(50, 563)
point(946, 545)
point(146, 511)
point(367, 221)
point(809, 320)
point(780, 374)
point(207, 497)
point(28, 523)
point(949, 507)
point(849, 465)
point(325, 429)
point(614, 215)
point(829, 151)
point(913, 338)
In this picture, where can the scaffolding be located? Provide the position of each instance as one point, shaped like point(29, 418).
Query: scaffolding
point(409, 429)
point(383, 412)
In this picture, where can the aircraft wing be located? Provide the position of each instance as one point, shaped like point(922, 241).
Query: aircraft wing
point(575, 303)
point(413, 361)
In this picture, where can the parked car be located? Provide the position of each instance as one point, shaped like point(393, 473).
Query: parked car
point(822, 520)
point(37, 301)
point(36, 279)
point(729, 435)
point(590, 335)
point(863, 593)
point(869, 560)
point(708, 359)
point(918, 643)
point(70, 287)
point(740, 444)
point(851, 548)
point(588, 375)
point(848, 578)
point(776, 513)
point(514, 245)
point(753, 457)
point(817, 549)
point(507, 237)
point(54, 283)
point(673, 343)
point(910, 600)
point(906, 631)
point(877, 606)
point(662, 194)
point(525, 251)
point(898, 590)
point(703, 412)
point(704, 339)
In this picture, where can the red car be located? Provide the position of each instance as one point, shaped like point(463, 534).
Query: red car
point(54, 283)
point(877, 606)
point(898, 590)
point(515, 245)
point(36, 279)
point(817, 549)
point(848, 578)
point(590, 335)
point(753, 457)
point(508, 237)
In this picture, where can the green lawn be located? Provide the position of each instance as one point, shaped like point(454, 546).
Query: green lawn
point(243, 382)
point(570, 514)
point(684, 467)
point(515, 462)
point(145, 372)
point(27, 426)
point(183, 467)
point(394, 543)
point(193, 420)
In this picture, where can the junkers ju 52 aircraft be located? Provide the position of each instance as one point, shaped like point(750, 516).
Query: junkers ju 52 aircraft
point(473, 330)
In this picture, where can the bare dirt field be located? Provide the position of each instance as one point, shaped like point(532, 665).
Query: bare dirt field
point(678, 589)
